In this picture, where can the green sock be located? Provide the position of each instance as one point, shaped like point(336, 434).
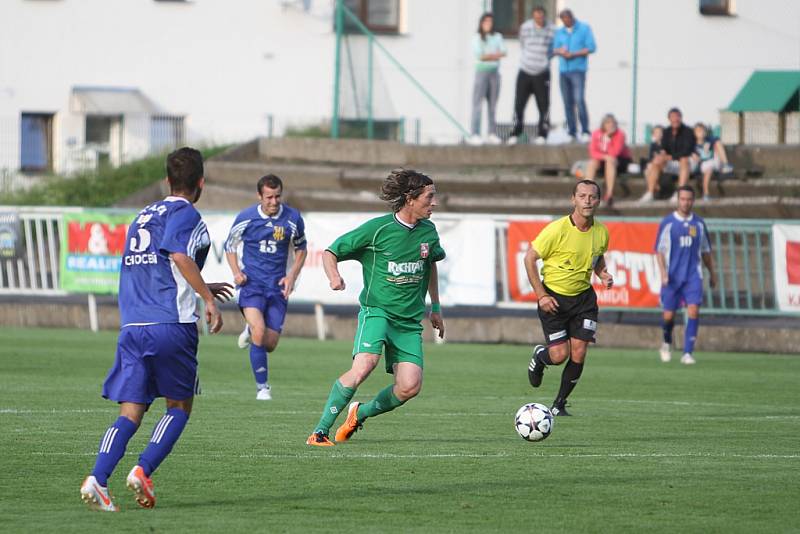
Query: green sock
point(337, 401)
point(384, 401)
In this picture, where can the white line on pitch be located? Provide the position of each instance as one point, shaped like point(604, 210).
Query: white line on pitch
point(385, 456)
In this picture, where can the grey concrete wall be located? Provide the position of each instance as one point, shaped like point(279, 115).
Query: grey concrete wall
point(773, 160)
point(513, 330)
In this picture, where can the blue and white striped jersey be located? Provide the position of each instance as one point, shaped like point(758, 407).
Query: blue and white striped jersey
point(265, 242)
point(683, 242)
point(151, 288)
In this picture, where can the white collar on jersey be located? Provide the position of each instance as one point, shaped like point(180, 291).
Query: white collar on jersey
point(173, 198)
point(265, 216)
point(401, 221)
point(682, 219)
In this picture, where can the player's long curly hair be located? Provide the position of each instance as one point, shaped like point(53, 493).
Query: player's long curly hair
point(402, 185)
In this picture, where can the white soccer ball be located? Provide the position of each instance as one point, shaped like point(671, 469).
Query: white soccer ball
point(533, 422)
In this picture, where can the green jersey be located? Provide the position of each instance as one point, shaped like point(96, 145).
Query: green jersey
point(396, 263)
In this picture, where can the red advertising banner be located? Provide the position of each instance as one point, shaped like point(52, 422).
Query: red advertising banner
point(630, 260)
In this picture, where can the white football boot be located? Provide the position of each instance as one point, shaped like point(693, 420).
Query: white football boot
point(96, 496)
point(244, 338)
point(264, 393)
point(687, 359)
point(665, 353)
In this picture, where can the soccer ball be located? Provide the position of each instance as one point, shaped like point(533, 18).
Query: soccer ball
point(533, 422)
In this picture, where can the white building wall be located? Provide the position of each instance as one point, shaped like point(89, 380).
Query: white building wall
point(228, 65)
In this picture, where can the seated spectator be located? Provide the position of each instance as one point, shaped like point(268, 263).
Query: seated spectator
point(609, 154)
point(709, 157)
point(656, 135)
point(677, 145)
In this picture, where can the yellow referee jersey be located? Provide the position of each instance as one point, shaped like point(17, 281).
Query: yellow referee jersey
point(570, 255)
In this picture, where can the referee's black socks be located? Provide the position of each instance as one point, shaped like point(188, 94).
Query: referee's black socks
point(569, 379)
point(544, 356)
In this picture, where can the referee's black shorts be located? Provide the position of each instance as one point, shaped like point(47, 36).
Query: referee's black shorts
point(576, 317)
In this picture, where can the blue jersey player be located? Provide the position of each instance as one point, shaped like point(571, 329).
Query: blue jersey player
point(165, 249)
point(682, 247)
point(265, 232)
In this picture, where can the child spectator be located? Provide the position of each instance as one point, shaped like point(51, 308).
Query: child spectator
point(608, 153)
point(709, 157)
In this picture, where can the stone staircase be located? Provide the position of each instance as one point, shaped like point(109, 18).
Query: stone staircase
point(345, 175)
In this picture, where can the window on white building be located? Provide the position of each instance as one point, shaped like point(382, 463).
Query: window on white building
point(510, 14)
point(36, 142)
point(166, 133)
point(380, 16)
point(717, 7)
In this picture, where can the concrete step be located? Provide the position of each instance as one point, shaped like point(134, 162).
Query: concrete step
point(770, 160)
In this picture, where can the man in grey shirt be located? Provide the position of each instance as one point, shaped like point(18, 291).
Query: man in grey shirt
point(536, 49)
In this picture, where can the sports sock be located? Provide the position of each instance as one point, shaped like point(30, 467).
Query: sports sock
point(258, 361)
point(691, 335)
point(112, 448)
point(384, 401)
point(667, 327)
point(569, 379)
point(544, 356)
point(337, 400)
point(166, 433)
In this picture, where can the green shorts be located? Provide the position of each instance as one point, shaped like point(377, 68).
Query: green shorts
point(403, 341)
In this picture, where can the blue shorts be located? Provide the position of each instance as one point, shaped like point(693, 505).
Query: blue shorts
point(675, 296)
point(157, 360)
point(272, 305)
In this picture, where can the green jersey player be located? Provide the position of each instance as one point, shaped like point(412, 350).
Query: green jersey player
point(398, 254)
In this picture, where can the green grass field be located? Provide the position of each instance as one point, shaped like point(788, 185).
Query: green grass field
point(652, 447)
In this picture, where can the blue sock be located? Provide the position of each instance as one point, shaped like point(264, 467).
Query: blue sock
point(691, 335)
point(258, 361)
point(167, 431)
point(112, 448)
point(667, 328)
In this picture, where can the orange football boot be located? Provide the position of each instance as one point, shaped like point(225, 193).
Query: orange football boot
point(350, 425)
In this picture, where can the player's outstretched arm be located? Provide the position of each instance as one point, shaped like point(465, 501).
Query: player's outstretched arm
point(433, 290)
point(331, 265)
point(191, 273)
point(602, 272)
point(288, 281)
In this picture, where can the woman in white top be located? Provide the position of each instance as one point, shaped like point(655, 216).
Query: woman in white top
point(488, 47)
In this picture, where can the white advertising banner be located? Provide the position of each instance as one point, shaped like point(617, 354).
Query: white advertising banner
point(466, 276)
point(786, 265)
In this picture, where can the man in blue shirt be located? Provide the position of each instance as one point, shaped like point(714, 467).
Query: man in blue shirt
point(166, 247)
point(265, 232)
point(573, 43)
point(682, 247)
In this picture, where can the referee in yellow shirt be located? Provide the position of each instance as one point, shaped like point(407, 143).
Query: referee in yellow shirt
point(571, 247)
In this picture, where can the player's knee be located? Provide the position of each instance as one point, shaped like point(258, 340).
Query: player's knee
point(184, 405)
point(258, 336)
point(271, 343)
point(558, 353)
point(578, 355)
point(408, 391)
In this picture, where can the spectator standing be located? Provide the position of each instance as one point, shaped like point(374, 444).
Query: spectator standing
point(678, 144)
point(536, 49)
point(573, 43)
point(709, 157)
point(488, 47)
point(608, 153)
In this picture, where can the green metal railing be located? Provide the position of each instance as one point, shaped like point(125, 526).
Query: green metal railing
point(742, 252)
point(342, 13)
